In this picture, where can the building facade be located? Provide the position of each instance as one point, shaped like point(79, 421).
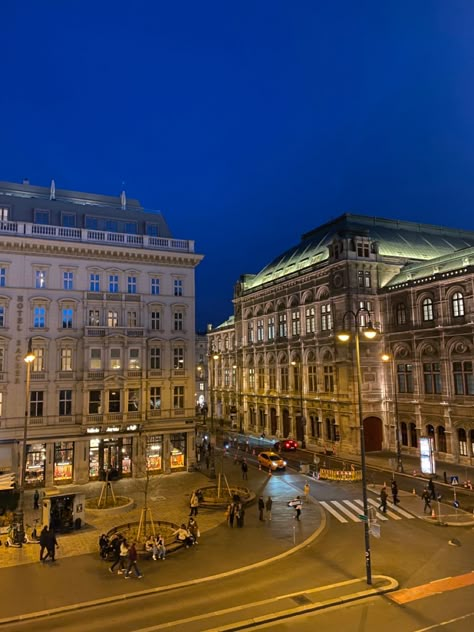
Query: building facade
point(280, 364)
point(106, 298)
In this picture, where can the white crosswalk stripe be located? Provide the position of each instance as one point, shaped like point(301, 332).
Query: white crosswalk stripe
point(353, 509)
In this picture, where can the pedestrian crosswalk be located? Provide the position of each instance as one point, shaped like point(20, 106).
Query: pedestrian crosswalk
point(351, 510)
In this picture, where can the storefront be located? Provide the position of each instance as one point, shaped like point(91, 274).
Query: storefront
point(35, 468)
point(177, 452)
point(63, 462)
point(112, 454)
point(154, 453)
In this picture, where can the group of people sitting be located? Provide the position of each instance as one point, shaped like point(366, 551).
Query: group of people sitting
point(188, 534)
point(155, 544)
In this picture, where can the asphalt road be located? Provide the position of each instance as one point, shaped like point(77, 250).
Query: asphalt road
point(412, 551)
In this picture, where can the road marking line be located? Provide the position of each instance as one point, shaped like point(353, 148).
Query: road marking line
point(350, 514)
point(382, 516)
point(433, 588)
point(448, 622)
point(332, 511)
point(403, 512)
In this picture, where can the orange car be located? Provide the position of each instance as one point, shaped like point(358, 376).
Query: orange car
point(271, 460)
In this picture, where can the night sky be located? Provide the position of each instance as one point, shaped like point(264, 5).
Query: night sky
point(246, 123)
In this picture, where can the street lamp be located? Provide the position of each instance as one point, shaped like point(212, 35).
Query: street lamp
point(19, 518)
point(298, 370)
point(388, 358)
point(344, 336)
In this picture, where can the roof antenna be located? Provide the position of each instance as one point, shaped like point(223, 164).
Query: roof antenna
point(52, 190)
point(123, 198)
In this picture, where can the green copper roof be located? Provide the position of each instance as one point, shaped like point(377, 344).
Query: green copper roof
point(394, 238)
point(227, 323)
point(446, 264)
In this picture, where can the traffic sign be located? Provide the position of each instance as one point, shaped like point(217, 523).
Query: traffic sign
point(375, 529)
point(363, 517)
point(456, 504)
point(454, 480)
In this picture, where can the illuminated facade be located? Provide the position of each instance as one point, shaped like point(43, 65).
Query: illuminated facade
point(107, 297)
point(280, 364)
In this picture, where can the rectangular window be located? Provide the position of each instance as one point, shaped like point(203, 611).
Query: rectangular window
point(94, 318)
point(261, 378)
point(68, 280)
point(95, 402)
point(155, 358)
point(271, 328)
point(250, 332)
point(178, 358)
point(329, 379)
point(38, 363)
point(113, 283)
point(131, 228)
point(260, 330)
point(92, 223)
point(36, 403)
point(114, 401)
point(96, 359)
point(284, 380)
point(68, 220)
point(178, 397)
point(65, 403)
point(152, 230)
point(112, 318)
point(133, 400)
point(463, 378)
point(67, 318)
point(432, 378)
point(310, 320)
point(134, 359)
point(3, 277)
point(282, 327)
point(115, 359)
point(295, 323)
point(2, 359)
point(2, 316)
point(178, 287)
point(155, 398)
point(155, 286)
point(40, 278)
point(132, 319)
point(66, 359)
point(312, 379)
point(405, 378)
point(3, 214)
point(272, 378)
point(132, 284)
point(94, 283)
point(39, 317)
point(326, 317)
point(364, 314)
point(41, 217)
point(362, 249)
point(111, 226)
point(155, 320)
point(178, 321)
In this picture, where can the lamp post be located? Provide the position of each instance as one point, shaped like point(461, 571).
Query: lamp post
point(20, 516)
point(298, 366)
point(388, 358)
point(345, 335)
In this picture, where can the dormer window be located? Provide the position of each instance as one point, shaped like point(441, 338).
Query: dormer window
point(363, 249)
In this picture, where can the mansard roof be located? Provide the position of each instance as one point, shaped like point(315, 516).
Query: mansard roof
point(395, 239)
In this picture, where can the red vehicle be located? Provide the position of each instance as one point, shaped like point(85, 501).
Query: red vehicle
point(286, 444)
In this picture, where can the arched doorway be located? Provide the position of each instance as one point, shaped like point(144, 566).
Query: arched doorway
point(373, 434)
point(273, 421)
point(286, 423)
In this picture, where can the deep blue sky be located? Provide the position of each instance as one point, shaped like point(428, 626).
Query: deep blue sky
point(246, 123)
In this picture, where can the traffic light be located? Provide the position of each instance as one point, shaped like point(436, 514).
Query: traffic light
point(7, 481)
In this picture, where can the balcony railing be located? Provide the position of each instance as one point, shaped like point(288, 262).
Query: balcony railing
point(24, 229)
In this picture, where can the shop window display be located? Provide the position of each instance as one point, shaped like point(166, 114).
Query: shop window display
point(35, 464)
point(63, 461)
point(154, 453)
point(178, 451)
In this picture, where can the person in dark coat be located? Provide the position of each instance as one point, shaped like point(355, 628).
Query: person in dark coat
point(36, 498)
point(261, 507)
point(51, 545)
point(395, 497)
point(43, 541)
point(132, 562)
point(383, 499)
point(431, 487)
point(245, 469)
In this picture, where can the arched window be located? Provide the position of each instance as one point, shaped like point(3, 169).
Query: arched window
point(401, 314)
point(430, 431)
point(457, 303)
point(413, 437)
point(441, 439)
point(404, 433)
point(428, 309)
point(462, 442)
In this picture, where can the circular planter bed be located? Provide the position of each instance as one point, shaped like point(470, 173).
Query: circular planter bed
point(211, 499)
point(121, 503)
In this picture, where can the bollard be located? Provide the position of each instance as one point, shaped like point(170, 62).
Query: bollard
point(414, 492)
point(433, 514)
point(269, 471)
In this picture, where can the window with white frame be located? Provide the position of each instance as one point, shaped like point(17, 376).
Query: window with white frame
point(312, 378)
point(326, 317)
point(65, 402)
point(364, 314)
point(362, 249)
point(310, 322)
point(178, 397)
point(39, 316)
point(133, 400)
point(94, 318)
point(401, 314)
point(178, 320)
point(178, 358)
point(457, 303)
point(2, 359)
point(134, 359)
point(284, 378)
point(68, 280)
point(3, 276)
point(463, 378)
point(66, 317)
point(94, 282)
point(113, 283)
point(66, 359)
point(115, 359)
point(427, 309)
point(328, 378)
point(155, 398)
point(271, 328)
point(36, 403)
point(95, 402)
point(250, 337)
point(40, 278)
point(112, 318)
point(155, 358)
point(132, 318)
point(4, 213)
point(132, 284)
point(178, 287)
point(155, 319)
point(295, 323)
point(95, 359)
point(155, 286)
point(260, 336)
point(282, 325)
point(38, 364)
point(2, 315)
point(115, 400)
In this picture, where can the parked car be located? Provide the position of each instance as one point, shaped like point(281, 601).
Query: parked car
point(285, 444)
point(271, 460)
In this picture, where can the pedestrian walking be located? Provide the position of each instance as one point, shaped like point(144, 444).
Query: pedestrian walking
point(43, 541)
point(132, 562)
point(395, 497)
point(306, 490)
point(431, 488)
point(194, 504)
point(245, 469)
point(298, 508)
point(120, 555)
point(231, 514)
point(426, 496)
point(193, 528)
point(268, 508)
point(51, 544)
point(36, 498)
point(240, 515)
point(383, 499)
point(261, 507)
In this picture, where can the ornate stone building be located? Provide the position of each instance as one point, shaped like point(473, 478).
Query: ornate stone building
point(279, 362)
point(106, 296)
